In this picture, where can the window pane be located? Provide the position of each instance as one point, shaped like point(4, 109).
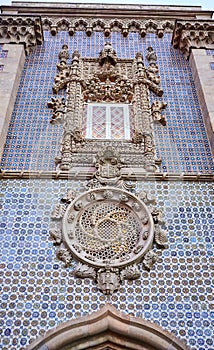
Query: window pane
point(117, 122)
point(107, 121)
point(98, 122)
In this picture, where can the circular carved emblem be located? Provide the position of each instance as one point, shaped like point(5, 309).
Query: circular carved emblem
point(108, 226)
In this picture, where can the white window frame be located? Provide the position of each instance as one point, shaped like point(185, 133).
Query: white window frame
point(126, 119)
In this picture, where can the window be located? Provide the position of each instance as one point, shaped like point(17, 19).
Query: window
point(107, 121)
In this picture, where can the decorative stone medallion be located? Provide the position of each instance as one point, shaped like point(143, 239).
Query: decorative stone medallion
point(108, 231)
point(108, 226)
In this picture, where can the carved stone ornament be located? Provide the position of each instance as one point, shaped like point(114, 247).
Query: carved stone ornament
point(99, 82)
point(108, 163)
point(156, 109)
point(58, 106)
point(109, 231)
point(193, 34)
point(25, 30)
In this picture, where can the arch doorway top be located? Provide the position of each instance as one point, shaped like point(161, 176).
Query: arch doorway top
point(108, 329)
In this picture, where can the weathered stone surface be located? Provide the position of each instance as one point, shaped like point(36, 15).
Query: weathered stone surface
point(204, 81)
point(9, 82)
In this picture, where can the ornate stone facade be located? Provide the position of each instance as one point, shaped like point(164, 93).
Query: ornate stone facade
point(101, 243)
point(108, 329)
point(107, 79)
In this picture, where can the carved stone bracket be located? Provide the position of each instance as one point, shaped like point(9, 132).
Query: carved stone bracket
point(124, 25)
point(193, 34)
point(109, 231)
point(21, 30)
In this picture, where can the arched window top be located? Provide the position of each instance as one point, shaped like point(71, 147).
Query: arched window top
point(108, 329)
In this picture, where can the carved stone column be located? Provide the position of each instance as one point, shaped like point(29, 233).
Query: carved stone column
point(72, 133)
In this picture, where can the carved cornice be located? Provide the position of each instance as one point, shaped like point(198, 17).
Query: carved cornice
point(193, 34)
point(87, 173)
point(123, 25)
point(25, 30)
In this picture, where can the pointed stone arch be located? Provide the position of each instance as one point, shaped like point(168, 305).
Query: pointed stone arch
point(108, 329)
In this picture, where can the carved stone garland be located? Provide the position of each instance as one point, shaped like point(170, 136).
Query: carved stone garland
point(107, 229)
point(103, 80)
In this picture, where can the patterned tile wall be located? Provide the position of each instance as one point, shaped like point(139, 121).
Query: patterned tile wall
point(3, 53)
point(38, 293)
point(32, 142)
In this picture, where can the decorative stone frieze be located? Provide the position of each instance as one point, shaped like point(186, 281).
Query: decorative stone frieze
point(107, 79)
point(25, 30)
point(87, 173)
point(107, 25)
point(193, 34)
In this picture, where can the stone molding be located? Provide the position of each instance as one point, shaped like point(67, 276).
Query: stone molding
point(110, 329)
point(87, 173)
point(193, 34)
point(123, 25)
point(107, 10)
point(25, 30)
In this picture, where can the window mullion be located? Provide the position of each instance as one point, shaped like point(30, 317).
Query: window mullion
point(126, 122)
point(89, 122)
point(108, 122)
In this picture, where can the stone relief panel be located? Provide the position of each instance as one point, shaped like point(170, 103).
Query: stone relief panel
point(107, 79)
